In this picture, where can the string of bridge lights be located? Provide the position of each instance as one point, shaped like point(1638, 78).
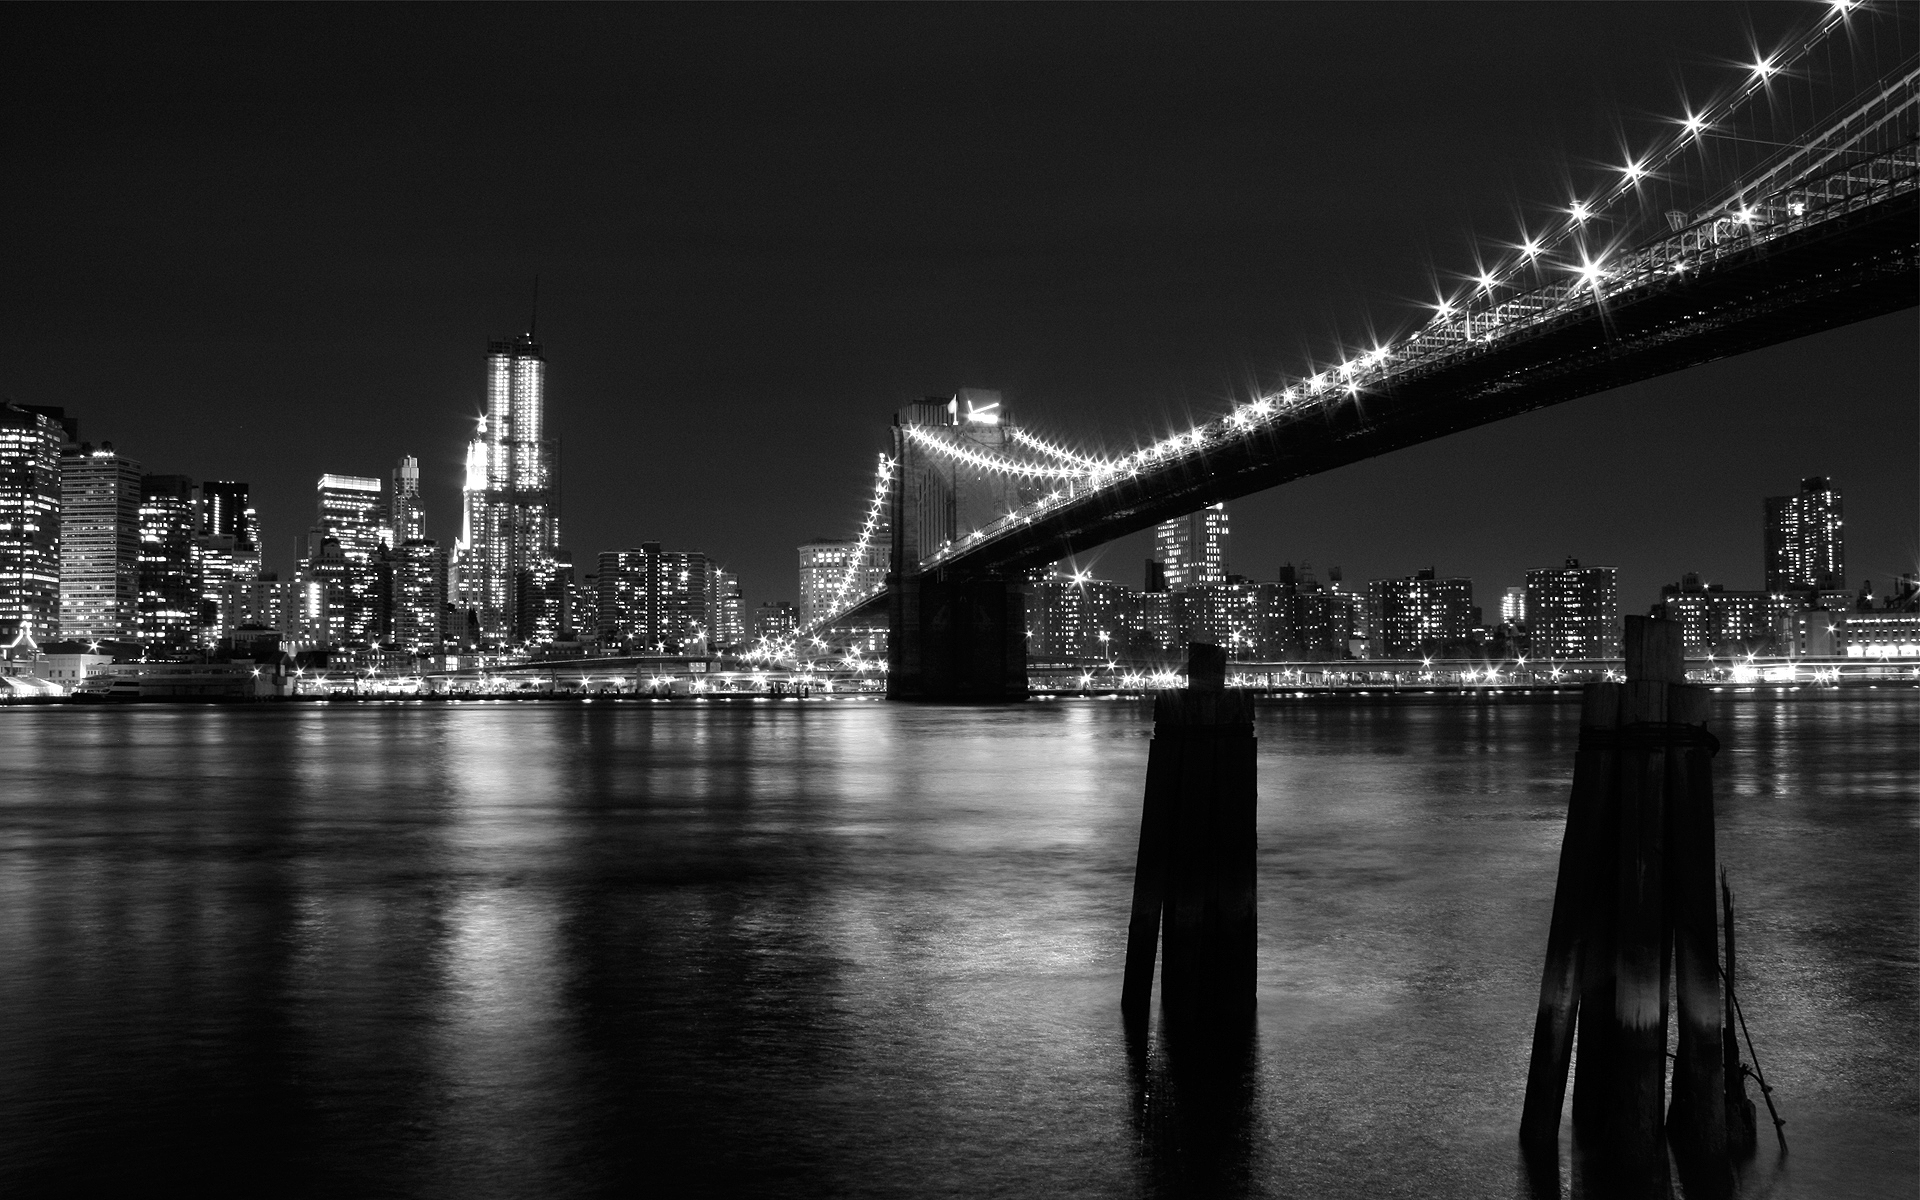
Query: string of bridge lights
point(1453, 319)
point(882, 487)
point(1692, 129)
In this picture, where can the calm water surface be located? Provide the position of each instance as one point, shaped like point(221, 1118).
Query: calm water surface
point(866, 949)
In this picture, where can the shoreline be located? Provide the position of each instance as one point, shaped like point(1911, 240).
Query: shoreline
point(1526, 694)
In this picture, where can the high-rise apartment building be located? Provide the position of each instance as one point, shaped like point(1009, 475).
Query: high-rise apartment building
point(405, 517)
point(653, 599)
point(726, 625)
point(169, 604)
point(511, 511)
point(99, 544)
point(1421, 615)
point(30, 443)
point(1193, 549)
point(1071, 616)
point(1805, 544)
point(1574, 611)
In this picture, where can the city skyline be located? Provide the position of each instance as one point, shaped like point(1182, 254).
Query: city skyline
point(646, 351)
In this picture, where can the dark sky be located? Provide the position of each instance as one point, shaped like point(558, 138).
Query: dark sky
point(265, 242)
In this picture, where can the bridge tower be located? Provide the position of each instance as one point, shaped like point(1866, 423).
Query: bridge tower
point(952, 636)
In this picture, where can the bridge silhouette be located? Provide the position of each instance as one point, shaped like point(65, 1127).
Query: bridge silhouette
point(1692, 253)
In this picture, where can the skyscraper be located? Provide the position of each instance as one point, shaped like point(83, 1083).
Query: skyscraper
point(352, 512)
point(228, 557)
point(1805, 548)
point(406, 518)
point(99, 544)
point(1193, 548)
point(512, 502)
point(169, 607)
point(226, 510)
point(419, 595)
point(1574, 611)
point(30, 442)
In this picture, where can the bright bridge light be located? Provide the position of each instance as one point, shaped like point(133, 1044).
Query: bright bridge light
point(1580, 210)
point(1529, 247)
point(1634, 172)
point(1694, 124)
point(1764, 69)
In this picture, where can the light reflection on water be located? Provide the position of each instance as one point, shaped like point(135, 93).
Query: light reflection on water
point(864, 949)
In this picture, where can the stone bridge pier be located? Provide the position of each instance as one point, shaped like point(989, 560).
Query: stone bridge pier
point(952, 637)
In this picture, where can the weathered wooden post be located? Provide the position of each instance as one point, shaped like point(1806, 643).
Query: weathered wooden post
point(1635, 894)
point(1193, 888)
point(1637, 1067)
point(1581, 931)
point(1698, 1115)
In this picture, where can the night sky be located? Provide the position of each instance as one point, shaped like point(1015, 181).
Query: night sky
point(263, 243)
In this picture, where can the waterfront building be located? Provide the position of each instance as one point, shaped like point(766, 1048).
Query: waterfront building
point(1805, 544)
point(31, 438)
point(169, 601)
point(824, 569)
point(1574, 611)
point(1312, 622)
point(1717, 620)
point(775, 621)
point(1421, 615)
point(1192, 550)
point(405, 517)
point(511, 510)
point(1881, 634)
point(99, 544)
point(1150, 622)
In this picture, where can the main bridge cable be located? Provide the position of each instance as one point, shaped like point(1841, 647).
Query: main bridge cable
point(882, 488)
point(993, 462)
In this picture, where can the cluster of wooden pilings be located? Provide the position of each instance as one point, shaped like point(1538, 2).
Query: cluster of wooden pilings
point(1193, 883)
point(1636, 896)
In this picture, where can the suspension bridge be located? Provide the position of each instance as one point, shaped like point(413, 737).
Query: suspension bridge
point(1785, 207)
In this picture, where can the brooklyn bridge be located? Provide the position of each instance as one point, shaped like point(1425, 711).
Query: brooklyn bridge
point(1783, 208)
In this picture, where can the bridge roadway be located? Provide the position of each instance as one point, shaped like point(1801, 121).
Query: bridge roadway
point(1844, 270)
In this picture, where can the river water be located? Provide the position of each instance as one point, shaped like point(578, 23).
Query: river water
point(852, 948)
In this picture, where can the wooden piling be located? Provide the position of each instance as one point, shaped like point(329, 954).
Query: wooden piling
point(1697, 1117)
point(1149, 879)
point(1582, 907)
point(1194, 874)
point(1638, 1058)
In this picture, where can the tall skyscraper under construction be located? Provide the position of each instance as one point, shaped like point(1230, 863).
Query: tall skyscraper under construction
point(512, 503)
